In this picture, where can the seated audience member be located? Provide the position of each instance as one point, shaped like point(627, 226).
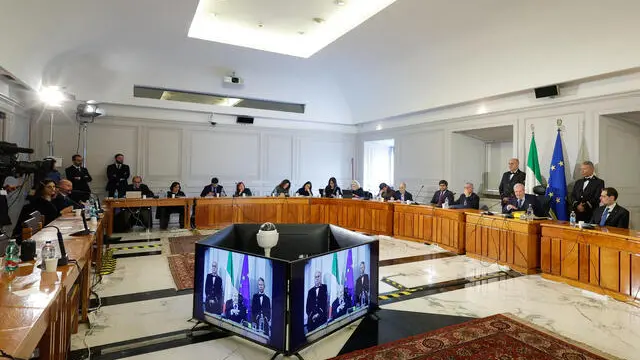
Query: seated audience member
point(52, 172)
point(610, 213)
point(358, 192)
point(164, 212)
point(62, 199)
point(242, 190)
point(443, 194)
point(282, 189)
point(305, 190)
point(521, 202)
point(42, 202)
point(214, 189)
point(332, 190)
point(402, 193)
point(468, 199)
point(140, 216)
point(386, 192)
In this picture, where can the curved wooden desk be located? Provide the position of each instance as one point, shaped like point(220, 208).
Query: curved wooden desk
point(605, 260)
point(112, 204)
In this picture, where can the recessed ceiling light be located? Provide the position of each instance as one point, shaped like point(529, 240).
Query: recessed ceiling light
point(260, 25)
point(318, 20)
point(301, 32)
point(339, 2)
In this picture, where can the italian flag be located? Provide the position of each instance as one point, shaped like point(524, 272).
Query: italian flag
point(335, 281)
point(533, 167)
point(229, 282)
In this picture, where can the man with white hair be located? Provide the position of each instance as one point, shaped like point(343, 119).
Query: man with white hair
point(468, 199)
point(521, 201)
point(402, 194)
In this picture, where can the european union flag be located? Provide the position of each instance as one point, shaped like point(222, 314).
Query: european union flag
point(245, 286)
point(557, 188)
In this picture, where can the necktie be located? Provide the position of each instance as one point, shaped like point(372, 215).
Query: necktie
point(603, 219)
point(441, 198)
point(118, 166)
point(511, 176)
point(317, 290)
point(260, 300)
point(519, 203)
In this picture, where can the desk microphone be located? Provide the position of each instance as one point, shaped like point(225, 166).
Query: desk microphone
point(86, 230)
point(419, 191)
point(486, 210)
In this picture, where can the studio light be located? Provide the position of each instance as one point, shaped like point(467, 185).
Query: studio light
point(88, 110)
point(52, 96)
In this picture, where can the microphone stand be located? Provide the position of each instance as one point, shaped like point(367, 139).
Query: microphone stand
point(418, 194)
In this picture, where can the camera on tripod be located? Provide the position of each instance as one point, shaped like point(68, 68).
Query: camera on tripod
point(11, 166)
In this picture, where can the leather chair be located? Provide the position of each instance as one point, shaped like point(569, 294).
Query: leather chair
point(543, 200)
point(30, 227)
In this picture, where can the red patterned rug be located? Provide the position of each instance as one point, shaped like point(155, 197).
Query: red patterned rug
point(181, 267)
point(184, 244)
point(497, 337)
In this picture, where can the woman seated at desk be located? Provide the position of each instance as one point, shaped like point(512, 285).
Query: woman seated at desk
point(164, 212)
point(282, 189)
point(332, 190)
point(241, 190)
point(42, 202)
point(358, 193)
point(305, 190)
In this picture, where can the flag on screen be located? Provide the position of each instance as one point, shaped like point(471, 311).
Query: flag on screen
point(335, 281)
point(534, 178)
point(245, 290)
point(229, 281)
point(348, 278)
point(557, 188)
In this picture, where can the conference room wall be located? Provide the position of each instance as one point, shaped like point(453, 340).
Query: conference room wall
point(166, 151)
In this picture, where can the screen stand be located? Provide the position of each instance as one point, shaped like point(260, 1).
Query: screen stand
point(294, 354)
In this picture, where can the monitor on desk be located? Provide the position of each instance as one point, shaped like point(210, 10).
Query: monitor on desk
point(133, 195)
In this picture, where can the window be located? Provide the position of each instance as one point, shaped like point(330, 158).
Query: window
point(378, 164)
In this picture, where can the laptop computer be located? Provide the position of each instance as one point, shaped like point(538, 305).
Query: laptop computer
point(347, 194)
point(133, 195)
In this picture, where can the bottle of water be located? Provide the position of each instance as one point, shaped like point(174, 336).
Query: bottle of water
point(445, 205)
point(572, 219)
point(115, 194)
point(12, 256)
point(530, 212)
point(48, 251)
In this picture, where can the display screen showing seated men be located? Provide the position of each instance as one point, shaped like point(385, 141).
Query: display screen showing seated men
point(337, 291)
point(236, 292)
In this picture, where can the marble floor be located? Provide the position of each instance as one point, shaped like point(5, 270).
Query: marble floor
point(144, 317)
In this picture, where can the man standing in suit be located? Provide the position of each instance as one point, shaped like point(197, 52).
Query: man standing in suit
point(521, 202)
point(80, 179)
point(585, 196)
point(118, 175)
point(340, 306)
point(469, 199)
point(213, 291)
point(443, 194)
point(261, 308)
point(509, 179)
point(610, 213)
point(402, 194)
point(316, 303)
point(213, 189)
point(362, 287)
point(234, 308)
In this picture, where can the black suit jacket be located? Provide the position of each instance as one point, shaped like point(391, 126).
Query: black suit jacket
point(118, 178)
point(329, 192)
point(316, 305)
point(362, 286)
point(346, 307)
point(257, 309)
point(507, 183)
point(528, 199)
point(246, 192)
point(447, 195)
point(470, 202)
point(219, 189)
point(79, 178)
point(213, 294)
point(589, 197)
point(242, 314)
point(144, 189)
point(407, 196)
point(619, 217)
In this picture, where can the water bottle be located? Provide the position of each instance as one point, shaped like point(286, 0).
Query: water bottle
point(446, 203)
point(572, 219)
point(48, 252)
point(115, 194)
point(530, 212)
point(12, 256)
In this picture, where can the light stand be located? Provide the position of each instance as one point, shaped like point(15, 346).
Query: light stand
point(50, 142)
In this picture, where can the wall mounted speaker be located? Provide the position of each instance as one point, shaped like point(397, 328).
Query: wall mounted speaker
point(244, 120)
point(546, 91)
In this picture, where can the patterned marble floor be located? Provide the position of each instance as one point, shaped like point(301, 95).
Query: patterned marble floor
point(143, 308)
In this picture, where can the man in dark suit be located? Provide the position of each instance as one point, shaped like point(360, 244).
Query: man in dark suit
point(402, 194)
point(213, 189)
point(80, 179)
point(261, 308)
point(585, 196)
point(317, 303)
point(234, 308)
point(610, 213)
point(140, 215)
point(468, 199)
point(213, 291)
point(509, 179)
point(362, 287)
point(118, 175)
point(521, 202)
point(443, 194)
point(341, 305)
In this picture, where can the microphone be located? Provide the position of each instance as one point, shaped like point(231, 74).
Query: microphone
point(64, 259)
point(418, 194)
point(86, 230)
point(486, 210)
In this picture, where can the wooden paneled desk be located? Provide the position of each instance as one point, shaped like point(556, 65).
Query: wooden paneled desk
point(511, 242)
point(41, 309)
point(449, 229)
point(413, 222)
point(605, 260)
point(112, 204)
point(370, 217)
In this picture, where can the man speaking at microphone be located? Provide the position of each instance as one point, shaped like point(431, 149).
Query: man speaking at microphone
point(80, 179)
point(62, 199)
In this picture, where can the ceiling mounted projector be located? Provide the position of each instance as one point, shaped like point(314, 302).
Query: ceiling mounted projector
point(233, 79)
